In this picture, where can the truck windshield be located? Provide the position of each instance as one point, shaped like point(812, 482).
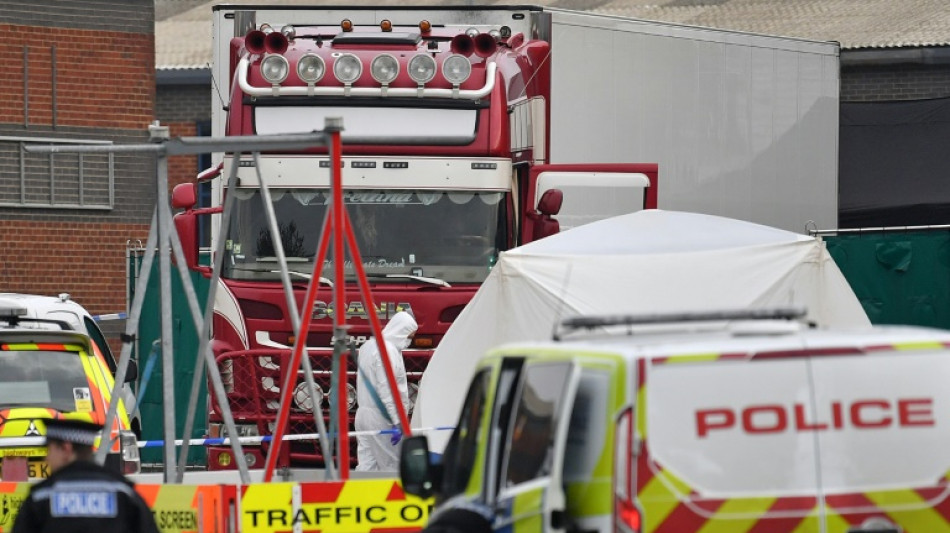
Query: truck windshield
point(39, 378)
point(453, 236)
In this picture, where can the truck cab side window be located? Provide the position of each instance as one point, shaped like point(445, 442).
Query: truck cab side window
point(533, 425)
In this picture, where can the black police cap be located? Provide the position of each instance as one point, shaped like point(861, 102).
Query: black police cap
point(75, 431)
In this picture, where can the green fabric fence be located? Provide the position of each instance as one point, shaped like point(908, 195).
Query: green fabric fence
point(899, 277)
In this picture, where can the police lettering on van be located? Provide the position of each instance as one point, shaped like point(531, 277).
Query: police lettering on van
point(765, 419)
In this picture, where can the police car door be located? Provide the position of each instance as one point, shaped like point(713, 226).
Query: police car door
point(531, 491)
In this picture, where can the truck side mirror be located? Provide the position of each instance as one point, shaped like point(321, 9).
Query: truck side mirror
point(415, 470)
point(550, 202)
point(186, 224)
point(548, 206)
point(185, 196)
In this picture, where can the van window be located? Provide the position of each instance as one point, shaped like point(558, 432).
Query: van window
point(460, 451)
point(532, 429)
point(588, 425)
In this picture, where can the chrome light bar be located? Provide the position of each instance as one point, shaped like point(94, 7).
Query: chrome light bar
point(394, 92)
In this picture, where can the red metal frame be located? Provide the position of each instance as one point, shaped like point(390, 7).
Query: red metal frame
point(339, 226)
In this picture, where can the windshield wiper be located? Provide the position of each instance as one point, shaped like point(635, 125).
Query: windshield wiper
point(421, 279)
point(304, 275)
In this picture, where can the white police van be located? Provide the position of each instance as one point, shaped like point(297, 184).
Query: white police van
point(732, 421)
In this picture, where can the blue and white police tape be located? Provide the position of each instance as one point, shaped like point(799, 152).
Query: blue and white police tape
point(268, 438)
point(110, 316)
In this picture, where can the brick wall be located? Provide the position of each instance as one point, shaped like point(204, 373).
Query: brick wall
point(182, 168)
point(901, 82)
point(181, 108)
point(77, 70)
point(62, 76)
point(86, 259)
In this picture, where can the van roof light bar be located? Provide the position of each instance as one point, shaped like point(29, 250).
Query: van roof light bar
point(590, 322)
point(8, 311)
point(21, 322)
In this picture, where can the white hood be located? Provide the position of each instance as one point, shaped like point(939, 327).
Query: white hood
point(398, 329)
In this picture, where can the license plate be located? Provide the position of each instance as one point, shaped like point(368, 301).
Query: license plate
point(38, 469)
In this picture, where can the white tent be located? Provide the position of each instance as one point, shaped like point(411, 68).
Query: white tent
point(650, 261)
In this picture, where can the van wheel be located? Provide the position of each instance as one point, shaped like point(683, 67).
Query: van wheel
point(459, 521)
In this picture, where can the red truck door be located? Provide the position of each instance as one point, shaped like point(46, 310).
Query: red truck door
point(560, 197)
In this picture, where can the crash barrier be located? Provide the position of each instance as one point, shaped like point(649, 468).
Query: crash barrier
point(352, 506)
point(176, 508)
point(332, 506)
point(11, 496)
point(179, 508)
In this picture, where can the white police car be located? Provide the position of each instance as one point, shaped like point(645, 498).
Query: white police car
point(79, 319)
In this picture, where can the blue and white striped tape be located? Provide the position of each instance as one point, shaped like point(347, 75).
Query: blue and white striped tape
point(110, 316)
point(268, 438)
point(20, 442)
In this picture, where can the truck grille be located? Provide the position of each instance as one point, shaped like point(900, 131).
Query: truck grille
point(253, 381)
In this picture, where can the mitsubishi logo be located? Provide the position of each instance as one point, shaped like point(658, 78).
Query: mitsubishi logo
point(32, 431)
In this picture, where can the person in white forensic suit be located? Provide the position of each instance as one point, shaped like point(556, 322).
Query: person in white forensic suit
point(376, 404)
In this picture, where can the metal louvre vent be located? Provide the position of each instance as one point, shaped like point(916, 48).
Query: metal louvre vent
point(62, 180)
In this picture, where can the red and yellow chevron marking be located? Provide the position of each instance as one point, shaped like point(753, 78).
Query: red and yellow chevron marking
point(903, 346)
point(184, 508)
point(670, 505)
point(99, 387)
point(353, 506)
point(11, 496)
point(50, 347)
point(695, 358)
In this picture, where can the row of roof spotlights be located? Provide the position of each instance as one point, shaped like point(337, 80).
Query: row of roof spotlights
point(347, 68)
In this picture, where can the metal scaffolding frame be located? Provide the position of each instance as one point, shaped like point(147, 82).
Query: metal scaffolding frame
point(162, 235)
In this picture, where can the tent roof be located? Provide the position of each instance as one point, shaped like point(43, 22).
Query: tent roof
point(657, 231)
point(651, 261)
